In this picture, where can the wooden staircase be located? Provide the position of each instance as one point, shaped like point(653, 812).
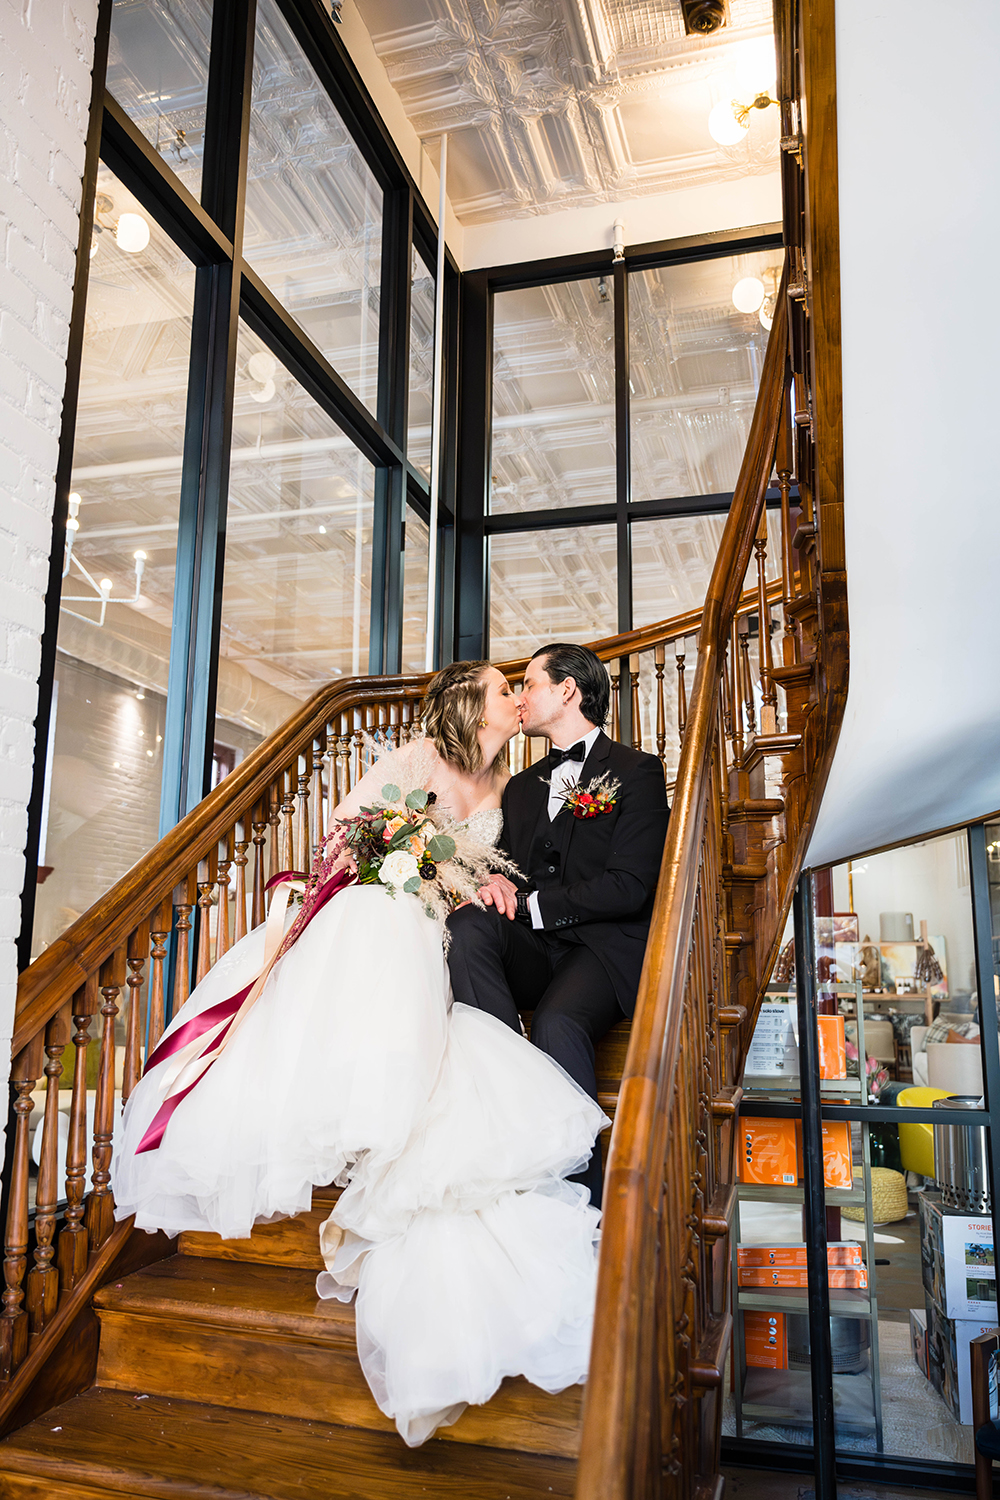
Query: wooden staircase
point(221, 1374)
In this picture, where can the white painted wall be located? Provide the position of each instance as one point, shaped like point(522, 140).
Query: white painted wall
point(920, 227)
point(45, 63)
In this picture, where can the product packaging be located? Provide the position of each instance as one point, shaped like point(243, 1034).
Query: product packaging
point(840, 1253)
point(764, 1340)
point(832, 1047)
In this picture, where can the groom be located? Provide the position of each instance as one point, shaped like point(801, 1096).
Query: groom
point(567, 939)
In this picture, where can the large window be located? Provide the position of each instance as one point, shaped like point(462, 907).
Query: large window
point(625, 397)
point(231, 528)
point(105, 753)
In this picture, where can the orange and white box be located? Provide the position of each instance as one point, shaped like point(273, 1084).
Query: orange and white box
point(764, 1340)
point(837, 1169)
point(832, 1047)
point(768, 1153)
point(840, 1253)
point(843, 1277)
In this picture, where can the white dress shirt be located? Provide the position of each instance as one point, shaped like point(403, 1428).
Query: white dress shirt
point(565, 775)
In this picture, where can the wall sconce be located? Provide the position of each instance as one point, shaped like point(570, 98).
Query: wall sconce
point(130, 230)
point(619, 254)
point(729, 121)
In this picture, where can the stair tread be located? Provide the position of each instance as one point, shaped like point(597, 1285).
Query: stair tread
point(232, 1294)
point(120, 1442)
point(286, 1242)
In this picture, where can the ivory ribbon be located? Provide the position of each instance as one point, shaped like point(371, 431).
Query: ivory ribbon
point(196, 1045)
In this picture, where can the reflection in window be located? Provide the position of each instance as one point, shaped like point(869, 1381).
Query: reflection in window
point(557, 586)
point(313, 208)
point(695, 364)
point(553, 438)
point(421, 387)
point(297, 589)
point(672, 562)
point(414, 593)
point(103, 778)
point(158, 73)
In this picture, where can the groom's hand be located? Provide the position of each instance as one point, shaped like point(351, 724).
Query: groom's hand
point(501, 893)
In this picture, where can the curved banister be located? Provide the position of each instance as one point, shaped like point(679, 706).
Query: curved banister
point(614, 1405)
point(53, 977)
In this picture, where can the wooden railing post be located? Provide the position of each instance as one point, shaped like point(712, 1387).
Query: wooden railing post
point(73, 1246)
point(633, 672)
point(161, 924)
point(14, 1318)
point(43, 1278)
point(659, 661)
point(138, 950)
point(769, 698)
point(100, 1204)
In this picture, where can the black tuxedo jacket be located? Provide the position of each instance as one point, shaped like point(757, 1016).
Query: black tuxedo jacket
point(596, 877)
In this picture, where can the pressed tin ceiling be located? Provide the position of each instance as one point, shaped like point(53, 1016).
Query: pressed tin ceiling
point(552, 104)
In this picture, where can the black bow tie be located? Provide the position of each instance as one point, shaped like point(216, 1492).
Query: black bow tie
point(575, 752)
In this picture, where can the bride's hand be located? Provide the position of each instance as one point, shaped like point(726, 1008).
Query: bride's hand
point(501, 893)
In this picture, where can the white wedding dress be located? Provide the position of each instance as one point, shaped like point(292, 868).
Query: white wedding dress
point(471, 1255)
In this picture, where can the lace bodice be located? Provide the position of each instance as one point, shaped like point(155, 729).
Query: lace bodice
point(485, 824)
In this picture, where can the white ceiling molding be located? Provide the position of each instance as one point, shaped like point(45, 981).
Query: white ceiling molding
point(552, 104)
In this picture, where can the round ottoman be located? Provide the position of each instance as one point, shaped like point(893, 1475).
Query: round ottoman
point(888, 1198)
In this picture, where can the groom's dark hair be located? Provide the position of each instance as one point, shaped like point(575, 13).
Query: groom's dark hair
point(588, 672)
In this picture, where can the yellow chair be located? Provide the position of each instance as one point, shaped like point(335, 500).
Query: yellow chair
point(916, 1141)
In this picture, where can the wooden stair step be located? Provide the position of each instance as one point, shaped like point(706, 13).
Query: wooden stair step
point(258, 1338)
point(286, 1242)
point(130, 1444)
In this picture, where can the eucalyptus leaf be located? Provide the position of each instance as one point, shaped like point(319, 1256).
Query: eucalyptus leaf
point(416, 799)
point(391, 793)
point(413, 885)
point(441, 847)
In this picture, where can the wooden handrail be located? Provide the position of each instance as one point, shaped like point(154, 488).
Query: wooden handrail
point(614, 1407)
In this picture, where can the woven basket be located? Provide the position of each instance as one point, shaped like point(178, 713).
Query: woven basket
point(888, 1198)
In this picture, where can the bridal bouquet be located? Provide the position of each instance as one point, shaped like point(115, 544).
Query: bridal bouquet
point(407, 844)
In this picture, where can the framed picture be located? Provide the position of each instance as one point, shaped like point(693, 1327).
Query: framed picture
point(842, 927)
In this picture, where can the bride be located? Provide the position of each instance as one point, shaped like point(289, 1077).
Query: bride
point(471, 1255)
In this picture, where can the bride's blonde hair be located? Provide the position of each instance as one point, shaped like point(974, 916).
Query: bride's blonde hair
point(452, 710)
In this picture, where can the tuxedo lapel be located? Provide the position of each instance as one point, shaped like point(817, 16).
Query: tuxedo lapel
point(564, 822)
point(532, 805)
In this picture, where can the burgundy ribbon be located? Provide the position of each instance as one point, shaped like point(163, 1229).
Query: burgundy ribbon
point(222, 1019)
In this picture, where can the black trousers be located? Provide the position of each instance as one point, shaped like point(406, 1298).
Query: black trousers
point(505, 966)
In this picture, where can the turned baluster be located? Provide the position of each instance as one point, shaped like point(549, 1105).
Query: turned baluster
point(100, 1204)
point(240, 897)
point(659, 660)
point(680, 656)
point(344, 760)
point(206, 891)
point(259, 825)
point(73, 1247)
point(765, 660)
point(286, 784)
point(303, 842)
point(735, 706)
point(633, 672)
point(14, 1318)
point(184, 904)
point(357, 768)
point(162, 922)
point(274, 823)
point(222, 920)
point(43, 1278)
point(615, 670)
point(138, 948)
point(751, 719)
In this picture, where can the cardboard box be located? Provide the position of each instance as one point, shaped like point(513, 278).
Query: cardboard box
point(957, 1261)
point(840, 1253)
point(918, 1339)
point(949, 1357)
point(767, 1152)
point(832, 1047)
point(837, 1169)
point(764, 1340)
point(855, 1277)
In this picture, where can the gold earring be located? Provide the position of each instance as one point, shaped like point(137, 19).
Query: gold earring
point(482, 724)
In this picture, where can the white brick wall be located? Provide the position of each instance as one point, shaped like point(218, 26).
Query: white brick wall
point(46, 55)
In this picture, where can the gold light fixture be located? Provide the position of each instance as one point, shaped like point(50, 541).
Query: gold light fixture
point(130, 230)
point(729, 121)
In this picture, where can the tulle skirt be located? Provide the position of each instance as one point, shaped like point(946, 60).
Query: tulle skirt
point(471, 1255)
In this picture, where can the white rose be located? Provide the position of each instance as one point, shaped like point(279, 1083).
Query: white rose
point(397, 868)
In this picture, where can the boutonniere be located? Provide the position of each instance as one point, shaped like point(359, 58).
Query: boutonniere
point(598, 796)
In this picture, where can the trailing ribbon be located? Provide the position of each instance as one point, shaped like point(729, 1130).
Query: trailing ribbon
point(196, 1045)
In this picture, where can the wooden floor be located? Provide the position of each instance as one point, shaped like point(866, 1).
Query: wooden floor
point(221, 1376)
